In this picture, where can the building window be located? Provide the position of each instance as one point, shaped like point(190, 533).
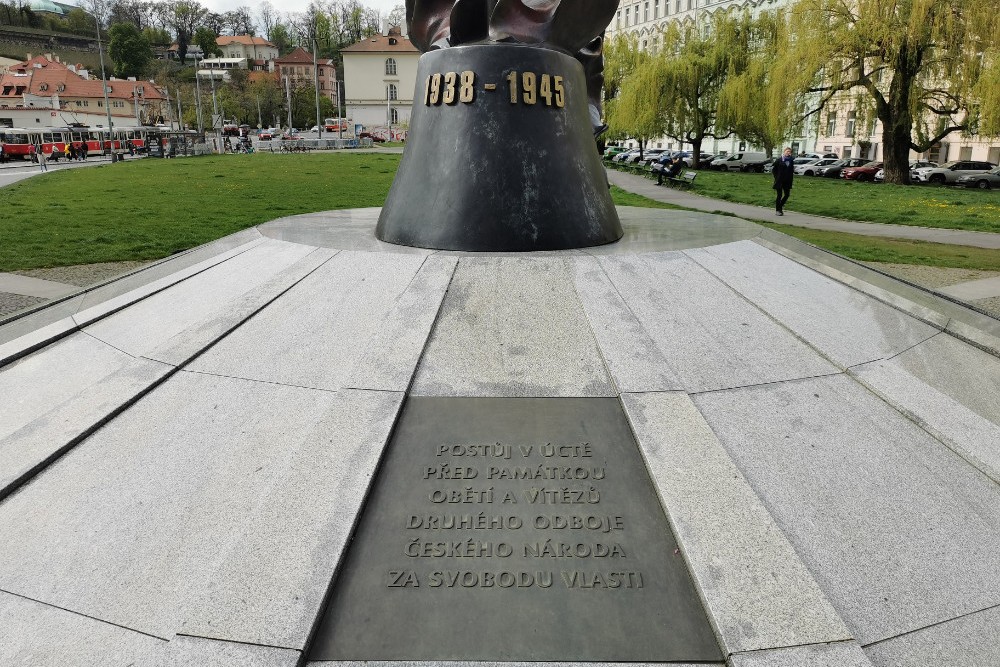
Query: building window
point(390, 66)
point(393, 116)
point(392, 91)
point(628, 11)
point(656, 10)
point(618, 22)
point(645, 12)
point(831, 123)
point(851, 117)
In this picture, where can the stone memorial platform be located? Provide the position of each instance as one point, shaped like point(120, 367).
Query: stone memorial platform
point(302, 446)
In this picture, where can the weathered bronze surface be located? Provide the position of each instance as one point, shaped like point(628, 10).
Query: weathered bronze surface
point(500, 156)
point(514, 530)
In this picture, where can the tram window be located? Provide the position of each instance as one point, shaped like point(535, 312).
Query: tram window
point(48, 137)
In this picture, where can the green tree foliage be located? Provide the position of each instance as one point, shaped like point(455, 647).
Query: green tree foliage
point(915, 65)
point(129, 51)
point(988, 95)
point(304, 106)
point(625, 117)
point(678, 93)
point(207, 39)
point(185, 17)
point(745, 106)
point(80, 22)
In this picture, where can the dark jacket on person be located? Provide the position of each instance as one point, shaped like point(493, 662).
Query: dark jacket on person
point(675, 168)
point(782, 173)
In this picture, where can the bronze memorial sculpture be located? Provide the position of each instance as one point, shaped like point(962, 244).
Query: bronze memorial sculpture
point(501, 154)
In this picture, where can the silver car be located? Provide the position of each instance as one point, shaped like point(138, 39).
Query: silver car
point(990, 179)
point(950, 172)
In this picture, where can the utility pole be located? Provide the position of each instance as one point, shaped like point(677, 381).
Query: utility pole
point(180, 115)
point(341, 117)
point(197, 98)
point(288, 96)
point(319, 121)
point(260, 121)
point(104, 84)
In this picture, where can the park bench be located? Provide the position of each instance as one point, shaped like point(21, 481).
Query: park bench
point(685, 180)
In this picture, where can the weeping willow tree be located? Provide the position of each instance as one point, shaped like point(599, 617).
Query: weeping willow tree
point(915, 65)
point(627, 118)
point(677, 93)
point(988, 95)
point(746, 106)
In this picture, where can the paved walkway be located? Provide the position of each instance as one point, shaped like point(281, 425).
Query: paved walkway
point(970, 291)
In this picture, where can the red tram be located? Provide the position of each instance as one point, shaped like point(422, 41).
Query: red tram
point(21, 144)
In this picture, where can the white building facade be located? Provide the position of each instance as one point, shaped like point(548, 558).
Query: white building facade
point(380, 75)
point(834, 130)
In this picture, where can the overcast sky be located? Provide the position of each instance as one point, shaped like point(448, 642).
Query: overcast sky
point(219, 6)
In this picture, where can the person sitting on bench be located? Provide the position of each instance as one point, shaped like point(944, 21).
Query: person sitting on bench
point(673, 171)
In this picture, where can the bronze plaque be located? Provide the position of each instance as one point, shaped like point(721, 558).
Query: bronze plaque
point(514, 529)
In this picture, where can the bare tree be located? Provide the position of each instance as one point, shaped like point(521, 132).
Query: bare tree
point(268, 18)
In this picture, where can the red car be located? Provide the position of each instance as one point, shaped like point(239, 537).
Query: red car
point(865, 172)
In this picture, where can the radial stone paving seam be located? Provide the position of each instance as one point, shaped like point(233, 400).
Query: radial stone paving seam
point(336, 315)
point(970, 436)
point(969, 641)
point(33, 634)
point(512, 326)
point(180, 473)
point(185, 651)
point(758, 592)
point(708, 333)
point(898, 530)
point(847, 326)
point(148, 323)
point(844, 654)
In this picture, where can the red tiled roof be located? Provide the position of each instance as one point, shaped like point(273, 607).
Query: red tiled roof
point(54, 78)
point(380, 44)
point(244, 39)
point(299, 55)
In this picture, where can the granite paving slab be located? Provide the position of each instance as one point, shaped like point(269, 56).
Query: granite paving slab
point(847, 326)
point(132, 524)
point(28, 286)
point(512, 326)
point(757, 591)
point(898, 530)
point(631, 355)
point(391, 357)
point(47, 636)
point(34, 330)
point(969, 435)
point(969, 641)
point(467, 663)
point(271, 579)
point(33, 385)
point(181, 347)
point(148, 323)
point(198, 652)
point(336, 315)
point(710, 335)
point(47, 436)
point(845, 654)
point(968, 375)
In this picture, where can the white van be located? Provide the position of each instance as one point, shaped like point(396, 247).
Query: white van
point(741, 162)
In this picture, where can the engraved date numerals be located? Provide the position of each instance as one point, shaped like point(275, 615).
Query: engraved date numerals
point(449, 88)
point(530, 88)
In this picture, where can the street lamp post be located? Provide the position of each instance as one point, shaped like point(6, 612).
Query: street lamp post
point(104, 85)
point(319, 121)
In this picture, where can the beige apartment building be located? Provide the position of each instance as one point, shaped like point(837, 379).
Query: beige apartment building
point(834, 130)
point(380, 74)
point(298, 70)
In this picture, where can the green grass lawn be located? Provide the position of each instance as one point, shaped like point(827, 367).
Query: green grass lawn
point(148, 209)
point(922, 206)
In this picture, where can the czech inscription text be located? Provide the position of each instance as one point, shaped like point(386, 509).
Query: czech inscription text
point(514, 515)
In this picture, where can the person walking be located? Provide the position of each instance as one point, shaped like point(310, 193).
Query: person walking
point(782, 172)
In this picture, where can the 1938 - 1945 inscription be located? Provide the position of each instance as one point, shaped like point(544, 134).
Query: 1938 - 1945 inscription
point(514, 529)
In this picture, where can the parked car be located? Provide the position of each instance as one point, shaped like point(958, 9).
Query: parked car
point(650, 155)
point(740, 162)
point(914, 164)
point(950, 172)
point(374, 137)
point(623, 156)
point(865, 172)
point(833, 171)
point(820, 156)
point(984, 181)
point(268, 134)
point(612, 151)
point(703, 158)
point(812, 167)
